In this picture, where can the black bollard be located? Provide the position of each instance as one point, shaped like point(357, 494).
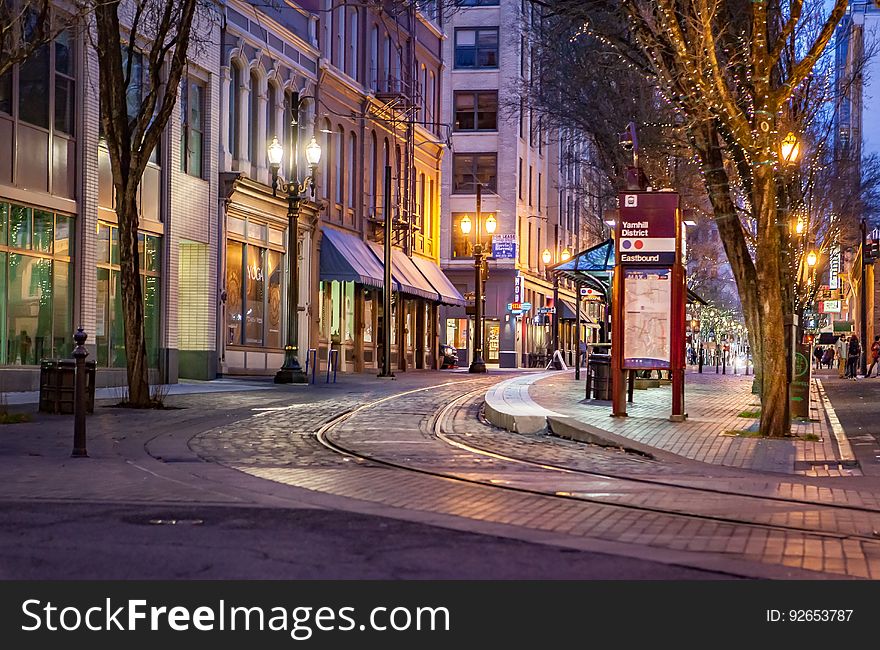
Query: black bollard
point(724, 364)
point(79, 397)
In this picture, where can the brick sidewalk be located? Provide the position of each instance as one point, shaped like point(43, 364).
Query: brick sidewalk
point(713, 430)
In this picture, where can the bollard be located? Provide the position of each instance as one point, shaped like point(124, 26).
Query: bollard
point(724, 364)
point(79, 396)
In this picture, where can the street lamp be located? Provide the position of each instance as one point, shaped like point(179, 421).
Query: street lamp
point(547, 256)
point(477, 364)
point(812, 258)
point(566, 254)
point(790, 148)
point(291, 372)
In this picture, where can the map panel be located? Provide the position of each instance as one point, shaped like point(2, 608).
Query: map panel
point(647, 332)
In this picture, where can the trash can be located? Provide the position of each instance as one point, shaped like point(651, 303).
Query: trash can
point(599, 376)
point(58, 385)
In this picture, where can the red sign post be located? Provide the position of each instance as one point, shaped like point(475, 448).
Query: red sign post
point(649, 294)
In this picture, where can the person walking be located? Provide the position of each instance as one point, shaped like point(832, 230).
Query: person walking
point(875, 355)
point(854, 353)
point(841, 355)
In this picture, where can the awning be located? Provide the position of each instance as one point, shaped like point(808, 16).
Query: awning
point(347, 258)
point(407, 276)
point(827, 338)
point(449, 295)
point(566, 310)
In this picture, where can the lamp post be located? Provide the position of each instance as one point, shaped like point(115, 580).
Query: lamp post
point(291, 372)
point(478, 365)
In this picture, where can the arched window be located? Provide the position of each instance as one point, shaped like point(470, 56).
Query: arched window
point(373, 163)
point(432, 99)
point(421, 208)
point(424, 81)
point(429, 211)
point(252, 118)
point(234, 97)
point(339, 169)
point(327, 157)
point(386, 63)
point(386, 163)
point(351, 64)
point(340, 37)
point(352, 169)
point(271, 112)
point(374, 57)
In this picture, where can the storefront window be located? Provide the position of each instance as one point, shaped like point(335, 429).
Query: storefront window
point(457, 332)
point(368, 316)
point(109, 320)
point(255, 295)
point(335, 316)
point(35, 297)
point(273, 313)
point(349, 312)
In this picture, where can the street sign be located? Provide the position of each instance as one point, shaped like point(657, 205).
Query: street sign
point(590, 295)
point(546, 310)
point(834, 269)
point(504, 247)
point(829, 307)
point(518, 290)
point(646, 233)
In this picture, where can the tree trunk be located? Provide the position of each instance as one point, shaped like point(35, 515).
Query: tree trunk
point(775, 411)
point(132, 299)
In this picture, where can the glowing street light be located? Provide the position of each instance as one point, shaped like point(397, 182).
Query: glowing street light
point(790, 148)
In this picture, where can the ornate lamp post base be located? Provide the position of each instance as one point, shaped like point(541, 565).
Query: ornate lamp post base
point(291, 372)
point(477, 366)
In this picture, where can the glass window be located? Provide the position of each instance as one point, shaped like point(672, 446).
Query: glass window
point(4, 218)
point(335, 310)
point(153, 254)
point(63, 235)
point(64, 89)
point(6, 93)
point(29, 309)
point(102, 243)
point(151, 289)
point(234, 85)
point(476, 111)
point(255, 295)
point(43, 227)
point(275, 271)
point(368, 316)
point(470, 169)
point(349, 312)
point(476, 48)
point(252, 117)
point(33, 89)
point(20, 227)
point(191, 128)
point(102, 317)
point(62, 301)
point(234, 290)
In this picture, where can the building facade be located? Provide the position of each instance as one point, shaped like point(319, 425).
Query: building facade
point(531, 186)
point(59, 265)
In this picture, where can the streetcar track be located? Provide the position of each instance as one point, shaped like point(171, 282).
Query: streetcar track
point(436, 426)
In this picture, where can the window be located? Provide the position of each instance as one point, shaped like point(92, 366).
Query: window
point(253, 295)
point(271, 107)
point(33, 88)
point(339, 146)
point(540, 180)
point(109, 334)
point(372, 169)
point(470, 169)
point(64, 86)
point(522, 117)
point(192, 103)
point(234, 89)
point(351, 63)
point(253, 119)
point(352, 172)
point(36, 288)
point(326, 157)
point(520, 178)
point(374, 57)
point(531, 179)
point(476, 48)
point(6, 93)
point(476, 111)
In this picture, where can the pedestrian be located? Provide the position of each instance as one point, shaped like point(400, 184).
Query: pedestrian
point(875, 355)
point(854, 353)
point(817, 356)
point(841, 355)
point(828, 358)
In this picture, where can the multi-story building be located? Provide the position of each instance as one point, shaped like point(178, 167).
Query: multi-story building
point(59, 265)
point(370, 82)
point(499, 141)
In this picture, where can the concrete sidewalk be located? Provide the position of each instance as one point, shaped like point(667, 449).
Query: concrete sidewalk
point(714, 432)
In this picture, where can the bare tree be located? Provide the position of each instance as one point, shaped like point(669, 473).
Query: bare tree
point(142, 48)
point(28, 25)
point(729, 69)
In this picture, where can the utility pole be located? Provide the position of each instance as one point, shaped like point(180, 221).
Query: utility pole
point(863, 299)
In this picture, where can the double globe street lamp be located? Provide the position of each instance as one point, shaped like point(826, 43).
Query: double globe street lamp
point(291, 372)
point(478, 365)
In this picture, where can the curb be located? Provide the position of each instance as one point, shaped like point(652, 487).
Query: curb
point(572, 429)
point(847, 458)
point(509, 406)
